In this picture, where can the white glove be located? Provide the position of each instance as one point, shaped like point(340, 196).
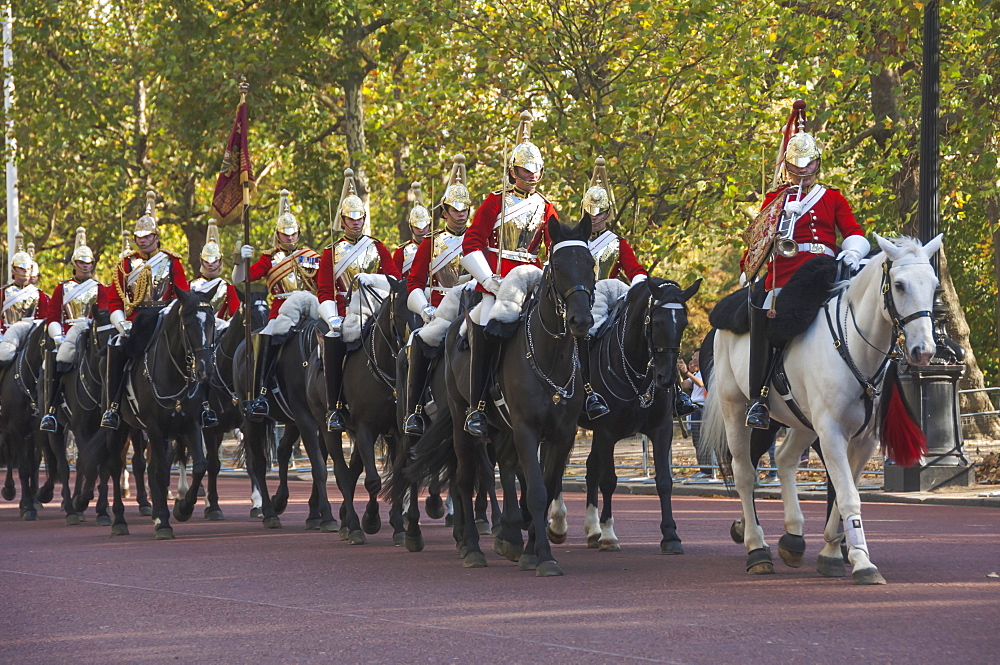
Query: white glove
point(328, 310)
point(638, 278)
point(246, 252)
point(119, 321)
point(492, 285)
point(477, 266)
point(854, 249)
point(56, 332)
point(427, 313)
point(743, 279)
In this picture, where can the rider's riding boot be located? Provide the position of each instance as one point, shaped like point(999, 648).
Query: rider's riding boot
point(416, 382)
point(114, 376)
point(682, 403)
point(50, 379)
point(482, 349)
point(594, 406)
point(263, 357)
point(758, 415)
point(333, 368)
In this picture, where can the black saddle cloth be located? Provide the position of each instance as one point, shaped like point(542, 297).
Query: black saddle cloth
point(799, 302)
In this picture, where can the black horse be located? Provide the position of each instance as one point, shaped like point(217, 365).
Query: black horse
point(634, 366)
point(171, 352)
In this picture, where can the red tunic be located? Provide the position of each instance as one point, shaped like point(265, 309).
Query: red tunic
point(55, 304)
point(232, 303)
point(819, 224)
point(419, 276)
point(260, 269)
point(482, 234)
point(399, 256)
point(41, 309)
point(627, 262)
point(325, 287)
point(178, 280)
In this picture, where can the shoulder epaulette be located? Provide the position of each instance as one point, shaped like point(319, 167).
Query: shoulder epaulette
point(830, 187)
point(171, 253)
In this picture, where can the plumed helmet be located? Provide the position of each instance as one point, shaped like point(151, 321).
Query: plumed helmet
point(212, 251)
point(21, 258)
point(80, 250)
point(798, 148)
point(287, 223)
point(351, 205)
point(33, 271)
point(146, 224)
point(525, 153)
point(598, 198)
point(456, 194)
point(419, 217)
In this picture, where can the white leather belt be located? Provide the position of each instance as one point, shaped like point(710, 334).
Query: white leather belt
point(815, 248)
point(282, 296)
point(523, 257)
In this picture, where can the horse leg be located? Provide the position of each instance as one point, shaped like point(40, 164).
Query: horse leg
point(607, 540)
point(9, 491)
point(554, 459)
point(213, 511)
point(159, 483)
point(320, 512)
point(371, 521)
point(194, 442)
point(255, 437)
point(557, 526)
point(27, 472)
point(280, 497)
point(592, 522)
point(466, 472)
point(114, 461)
point(47, 490)
point(792, 545)
point(509, 542)
point(744, 474)
point(101, 507)
point(433, 505)
point(58, 443)
point(350, 523)
point(139, 472)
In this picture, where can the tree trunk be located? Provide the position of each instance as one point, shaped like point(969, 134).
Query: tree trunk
point(354, 130)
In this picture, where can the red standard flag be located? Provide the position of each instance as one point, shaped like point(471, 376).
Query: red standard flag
point(236, 169)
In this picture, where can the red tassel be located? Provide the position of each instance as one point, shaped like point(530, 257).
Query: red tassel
point(902, 439)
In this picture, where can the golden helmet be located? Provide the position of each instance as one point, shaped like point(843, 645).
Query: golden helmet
point(80, 250)
point(147, 223)
point(419, 217)
point(797, 147)
point(598, 198)
point(802, 149)
point(287, 223)
point(212, 251)
point(21, 258)
point(526, 154)
point(351, 205)
point(456, 194)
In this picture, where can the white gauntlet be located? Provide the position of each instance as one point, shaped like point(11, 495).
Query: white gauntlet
point(119, 321)
point(477, 266)
point(328, 310)
point(854, 249)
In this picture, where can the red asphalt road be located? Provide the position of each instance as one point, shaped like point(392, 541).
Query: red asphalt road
point(234, 592)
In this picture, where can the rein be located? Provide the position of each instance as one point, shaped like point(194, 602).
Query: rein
point(186, 373)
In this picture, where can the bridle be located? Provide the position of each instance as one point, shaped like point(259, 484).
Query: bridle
point(557, 298)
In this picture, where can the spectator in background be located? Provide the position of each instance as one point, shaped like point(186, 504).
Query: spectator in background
point(690, 374)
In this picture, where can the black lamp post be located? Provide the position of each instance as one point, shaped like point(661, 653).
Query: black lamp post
point(932, 391)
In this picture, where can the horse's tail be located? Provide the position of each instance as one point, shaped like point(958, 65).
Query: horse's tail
point(713, 429)
point(902, 440)
point(433, 456)
point(706, 357)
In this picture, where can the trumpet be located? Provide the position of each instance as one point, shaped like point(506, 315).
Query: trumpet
point(784, 244)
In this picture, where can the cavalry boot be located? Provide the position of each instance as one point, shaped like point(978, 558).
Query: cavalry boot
point(682, 403)
point(49, 386)
point(416, 383)
point(114, 376)
point(594, 406)
point(263, 354)
point(482, 349)
point(333, 368)
point(758, 414)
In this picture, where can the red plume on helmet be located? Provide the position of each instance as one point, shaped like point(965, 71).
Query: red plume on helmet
point(796, 123)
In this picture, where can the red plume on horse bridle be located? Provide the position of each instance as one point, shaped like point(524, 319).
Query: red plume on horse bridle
point(902, 440)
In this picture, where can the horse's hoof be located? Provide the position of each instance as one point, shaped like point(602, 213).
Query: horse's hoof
point(182, 513)
point(279, 506)
point(610, 546)
point(736, 531)
point(214, 515)
point(759, 562)
point(272, 522)
point(103, 520)
point(548, 569)
point(507, 550)
point(73, 519)
point(44, 494)
point(462, 550)
point(671, 547)
point(555, 538)
point(166, 533)
point(483, 527)
point(434, 507)
point(474, 560)
point(256, 513)
point(332, 526)
point(791, 548)
point(344, 532)
point(312, 524)
point(527, 562)
point(495, 530)
point(414, 543)
point(371, 522)
point(146, 511)
point(29, 515)
point(356, 537)
point(120, 529)
point(830, 566)
point(593, 540)
point(868, 576)
point(398, 539)
point(8, 493)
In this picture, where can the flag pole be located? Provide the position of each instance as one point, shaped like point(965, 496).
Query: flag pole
point(247, 323)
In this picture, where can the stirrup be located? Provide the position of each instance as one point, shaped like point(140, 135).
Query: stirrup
point(48, 423)
point(596, 406)
point(414, 424)
point(476, 423)
point(683, 404)
point(758, 416)
point(257, 409)
point(110, 419)
point(335, 421)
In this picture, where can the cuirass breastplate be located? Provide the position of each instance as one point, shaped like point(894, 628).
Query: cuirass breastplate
point(79, 307)
point(518, 232)
point(605, 259)
point(221, 291)
point(22, 309)
point(366, 261)
point(301, 278)
point(449, 274)
point(409, 251)
point(158, 278)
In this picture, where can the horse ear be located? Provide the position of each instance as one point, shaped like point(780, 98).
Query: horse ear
point(691, 290)
point(887, 246)
point(933, 245)
point(555, 231)
point(586, 226)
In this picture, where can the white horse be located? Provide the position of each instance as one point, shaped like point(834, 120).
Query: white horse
point(893, 293)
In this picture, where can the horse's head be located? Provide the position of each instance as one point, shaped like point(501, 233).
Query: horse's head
point(908, 285)
point(197, 318)
point(402, 318)
point(572, 268)
point(666, 320)
point(259, 309)
point(103, 330)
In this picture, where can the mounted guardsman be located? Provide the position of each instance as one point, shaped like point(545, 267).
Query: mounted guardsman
point(419, 219)
point(353, 254)
point(437, 267)
point(72, 302)
point(799, 220)
point(226, 299)
point(22, 300)
point(144, 282)
point(288, 267)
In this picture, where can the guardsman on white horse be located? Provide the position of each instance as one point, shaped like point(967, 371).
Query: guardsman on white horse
point(353, 254)
point(419, 220)
point(437, 267)
point(72, 302)
point(144, 280)
point(288, 266)
point(22, 300)
point(810, 216)
point(225, 300)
